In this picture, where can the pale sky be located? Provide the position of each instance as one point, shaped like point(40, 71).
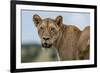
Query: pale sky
point(29, 31)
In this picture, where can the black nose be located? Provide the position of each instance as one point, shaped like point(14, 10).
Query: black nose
point(46, 38)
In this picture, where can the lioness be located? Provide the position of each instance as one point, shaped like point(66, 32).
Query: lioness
point(53, 33)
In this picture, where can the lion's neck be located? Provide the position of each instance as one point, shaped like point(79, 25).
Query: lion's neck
point(60, 37)
point(59, 41)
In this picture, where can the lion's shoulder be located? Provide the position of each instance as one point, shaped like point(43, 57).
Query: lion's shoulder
point(71, 28)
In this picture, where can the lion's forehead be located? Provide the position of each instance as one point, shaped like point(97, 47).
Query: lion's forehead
point(47, 23)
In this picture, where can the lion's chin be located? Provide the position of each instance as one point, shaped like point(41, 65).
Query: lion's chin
point(45, 45)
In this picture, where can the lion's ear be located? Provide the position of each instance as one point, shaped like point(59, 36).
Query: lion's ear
point(37, 19)
point(59, 20)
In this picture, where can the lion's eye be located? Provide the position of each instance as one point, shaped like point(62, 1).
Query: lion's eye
point(41, 28)
point(52, 29)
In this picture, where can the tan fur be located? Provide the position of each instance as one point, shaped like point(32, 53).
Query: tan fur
point(67, 42)
point(84, 44)
point(62, 37)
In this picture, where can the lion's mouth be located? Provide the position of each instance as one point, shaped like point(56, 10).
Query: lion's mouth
point(46, 45)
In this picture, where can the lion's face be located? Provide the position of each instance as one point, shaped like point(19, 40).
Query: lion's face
point(48, 29)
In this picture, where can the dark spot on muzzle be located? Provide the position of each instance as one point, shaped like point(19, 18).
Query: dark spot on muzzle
point(46, 45)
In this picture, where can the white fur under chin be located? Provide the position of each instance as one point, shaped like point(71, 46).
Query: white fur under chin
point(43, 49)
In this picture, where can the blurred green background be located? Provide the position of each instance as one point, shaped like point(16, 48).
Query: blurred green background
point(34, 53)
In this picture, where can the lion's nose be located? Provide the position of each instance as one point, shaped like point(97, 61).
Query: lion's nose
point(46, 38)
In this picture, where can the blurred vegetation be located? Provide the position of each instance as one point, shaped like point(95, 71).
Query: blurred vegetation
point(34, 53)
